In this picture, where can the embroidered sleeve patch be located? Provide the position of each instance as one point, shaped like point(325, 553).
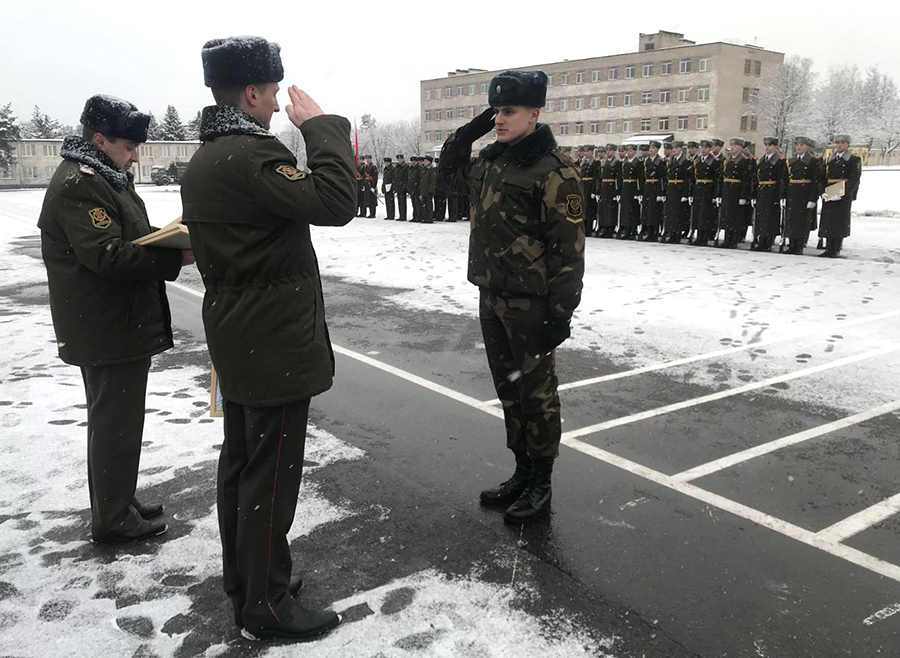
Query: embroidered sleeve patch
point(289, 172)
point(574, 211)
point(99, 218)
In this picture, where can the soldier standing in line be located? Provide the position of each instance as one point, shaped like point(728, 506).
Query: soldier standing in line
point(529, 273)
point(667, 151)
point(752, 164)
point(440, 194)
point(846, 168)
point(401, 178)
point(771, 181)
point(643, 152)
point(606, 187)
point(718, 144)
point(679, 186)
point(413, 182)
point(426, 189)
point(801, 196)
point(652, 193)
point(361, 187)
point(588, 175)
point(249, 210)
point(814, 215)
point(736, 186)
point(371, 173)
point(630, 186)
point(621, 152)
point(108, 304)
point(387, 187)
point(692, 150)
point(704, 213)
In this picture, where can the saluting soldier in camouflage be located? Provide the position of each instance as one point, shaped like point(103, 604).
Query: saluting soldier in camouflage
point(771, 181)
point(802, 195)
point(387, 187)
point(526, 254)
point(679, 185)
point(704, 212)
point(847, 168)
point(736, 189)
point(652, 193)
point(630, 186)
point(606, 188)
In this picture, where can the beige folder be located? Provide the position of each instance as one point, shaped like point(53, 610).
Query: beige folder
point(835, 191)
point(173, 235)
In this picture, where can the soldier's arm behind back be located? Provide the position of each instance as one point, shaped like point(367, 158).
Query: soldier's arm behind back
point(326, 196)
point(563, 209)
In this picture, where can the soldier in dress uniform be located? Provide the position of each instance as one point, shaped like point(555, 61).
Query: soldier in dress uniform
point(814, 215)
point(802, 194)
point(414, 181)
point(371, 176)
point(667, 150)
point(630, 181)
point(643, 152)
point(771, 182)
point(679, 184)
point(440, 195)
point(400, 185)
point(736, 186)
point(749, 208)
point(361, 187)
point(704, 212)
point(717, 146)
point(589, 172)
point(620, 152)
point(652, 193)
point(607, 191)
point(692, 150)
point(426, 189)
point(387, 187)
point(846, 168)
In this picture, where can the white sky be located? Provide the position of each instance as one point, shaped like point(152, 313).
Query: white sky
point(357, 58)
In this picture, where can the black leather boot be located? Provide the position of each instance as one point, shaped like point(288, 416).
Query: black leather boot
point(536, 497)
point(300, 623)
point(513, 487)
point(150, 511)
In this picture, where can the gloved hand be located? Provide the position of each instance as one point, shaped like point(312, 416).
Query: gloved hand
point(811, 205)
point(690, 199)
point(388, 186)
point(617, 197)
point(477, 127)
point(742, 202)
point(553, 334)
point(753, 202)
point(718, 201)
point(684, 199)
point(660, 199)
point(782, 203)
point(640, 198)
point(595, 197)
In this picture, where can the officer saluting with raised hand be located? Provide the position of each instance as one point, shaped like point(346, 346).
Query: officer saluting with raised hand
point(249, 209)
point(529, 272)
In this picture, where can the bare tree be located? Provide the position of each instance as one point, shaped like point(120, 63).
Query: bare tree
point(838, 107)
point(389, 138)
point(291, 137)
point(786, 100)
point(881, 112)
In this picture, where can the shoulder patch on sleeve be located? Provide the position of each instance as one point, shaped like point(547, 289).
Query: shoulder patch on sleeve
point(290, 172)
point(574, 210)
point(99, 218)
point(86, 170)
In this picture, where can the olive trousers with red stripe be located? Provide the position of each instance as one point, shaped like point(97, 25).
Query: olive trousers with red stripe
point(260, 468)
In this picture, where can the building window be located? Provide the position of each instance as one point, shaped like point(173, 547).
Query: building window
point(145, 152)
point(563, 129)
point(748, 123)
point(182, 151)
point(626, 126)
point(753, 123)
point(427, 94)
point(682, 123)
point(448, 92)
point(471, 90)
point(683, 95)
point(595, 127)
point(612, 73)
point(29, 172)
point(427, 115)
point(564, 105)
point(437, 93)
point(28, 150)
point(649, 46)
point(611, 100)
point(428, 137)
point(629, 71)
point(705, 64)
point(459, 90)
point(579, 78)
point(665, 96)
point(471, 112)
point(165, 152)
point(703, 94)
point(145, 171)
point(610, 127)
point(579, 128)
point(50, 150)
point(549, 106)
point(750, 95)
point(550, 80)
point(595, 102)
point(49, 171)
point(579, 103)
point(646, 97)
point(752, 67)
point(437, 115)
point(665, 68)
point(595, 76)
point(645, 125)
point(664, 123)
point(684, 66)
point(647, 70)
point(484, 87)
point(628, 100)
point(438, 135)
point(564, 78)
point(460, 112)
point(702, 123)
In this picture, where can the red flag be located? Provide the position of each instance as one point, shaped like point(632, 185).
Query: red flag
point(355, 146)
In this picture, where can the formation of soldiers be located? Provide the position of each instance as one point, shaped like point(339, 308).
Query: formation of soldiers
point(697, 192)
point(417, 181)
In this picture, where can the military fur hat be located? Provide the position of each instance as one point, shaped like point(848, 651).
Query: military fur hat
point(736, 141)
point(611, 147)
point(718, 142)
point(113, 117)
point(399, 156)
point(667, 146)
point(705, 142)
point(387, 160)
point(630, 147)
point(429, 158)
point(842, 137)
point(693, 144)
point(644, 147)
point(528, 88)
point(770, 141)
point(677, 144)
point(241, 61)
point(655, 143)
point(799, 139)
point(622, 148)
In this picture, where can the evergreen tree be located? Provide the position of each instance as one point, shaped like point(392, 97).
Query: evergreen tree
point(192, 130)
point(154, 132)
point(9, 132)
point(42, 126)
point(171, 128)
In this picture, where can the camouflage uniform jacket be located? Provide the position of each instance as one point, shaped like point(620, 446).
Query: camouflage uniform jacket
point(527, 220)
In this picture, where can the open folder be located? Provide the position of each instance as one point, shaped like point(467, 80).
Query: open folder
point(835, 191)
point(173, 235)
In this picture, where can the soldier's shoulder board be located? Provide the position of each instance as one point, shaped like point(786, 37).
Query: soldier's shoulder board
point(84, 169)
point(290, 172)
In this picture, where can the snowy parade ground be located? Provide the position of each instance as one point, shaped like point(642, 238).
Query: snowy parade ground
point(729, 484)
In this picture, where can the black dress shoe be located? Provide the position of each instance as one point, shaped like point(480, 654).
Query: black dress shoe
point(144, 530)
point(510, 490)
point(295, 586)
point(299, 624)
point(536, 497)
point(149, 511)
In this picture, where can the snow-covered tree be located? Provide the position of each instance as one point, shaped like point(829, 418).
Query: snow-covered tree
point(154, 132)
point(387, 139)
point(171, 128)
point(192, 129)
point(838, 104)
point(881, 112)
point(786, 101)
point(41, 126)
point(9, 132)
point(291, 137)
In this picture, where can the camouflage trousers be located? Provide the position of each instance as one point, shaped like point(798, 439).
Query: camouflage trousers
point(526, 382)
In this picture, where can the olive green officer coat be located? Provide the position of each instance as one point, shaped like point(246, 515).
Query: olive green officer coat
point(249, 210)
point(107, 296)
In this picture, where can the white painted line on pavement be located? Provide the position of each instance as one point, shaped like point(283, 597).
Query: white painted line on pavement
point(717, 353)
point(729, 392)
point(185, 288)
point(765, 448)
point(852, 525)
